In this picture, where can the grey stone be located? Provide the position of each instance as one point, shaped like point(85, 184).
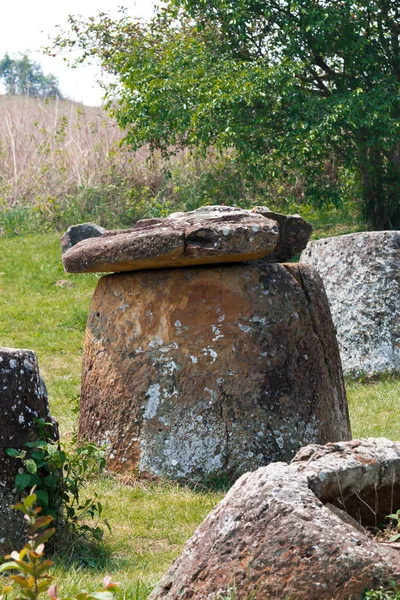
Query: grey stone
point(281, 532)
point(294, 233)
point(361, 274)
point(23, 399)
point(77, 233)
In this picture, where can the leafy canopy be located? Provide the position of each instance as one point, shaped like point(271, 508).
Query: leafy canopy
point(289, 84)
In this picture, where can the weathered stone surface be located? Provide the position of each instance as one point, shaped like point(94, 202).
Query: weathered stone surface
point(77, 233)
point(282, 531)
point(361, 273)
point(294, 233)
point(211, 234)
point(211, 371)
point(23, 398)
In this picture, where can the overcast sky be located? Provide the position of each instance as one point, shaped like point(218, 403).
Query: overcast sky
point(25, 26)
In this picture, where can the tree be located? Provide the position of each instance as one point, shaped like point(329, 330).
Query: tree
point(22, 76)
point(297, 83)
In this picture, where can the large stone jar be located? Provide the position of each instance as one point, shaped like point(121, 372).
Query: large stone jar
point(361, 274)
point(211, 371)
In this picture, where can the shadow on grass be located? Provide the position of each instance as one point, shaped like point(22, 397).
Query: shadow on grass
point(368, 378)
point(213, 483)
point(79, 552)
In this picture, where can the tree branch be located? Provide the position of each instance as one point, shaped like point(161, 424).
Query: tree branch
point(319, 61)
point(312, 91)
point(319, 81)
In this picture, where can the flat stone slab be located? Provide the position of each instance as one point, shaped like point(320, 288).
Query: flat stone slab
point(297, 530)
point(211, 234)
point(361, 274)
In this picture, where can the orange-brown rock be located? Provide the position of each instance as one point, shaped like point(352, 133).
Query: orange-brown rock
point(208, 371)
point(296, 531)
point(211, 234)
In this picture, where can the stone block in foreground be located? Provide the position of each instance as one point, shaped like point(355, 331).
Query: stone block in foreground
point(361, 274)
point(296, 531)
point(213, 371)
point(23, 398)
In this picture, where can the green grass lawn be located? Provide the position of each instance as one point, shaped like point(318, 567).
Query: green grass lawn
point(44, 309)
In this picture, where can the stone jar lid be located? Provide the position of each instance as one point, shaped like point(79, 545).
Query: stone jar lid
point(211, 234)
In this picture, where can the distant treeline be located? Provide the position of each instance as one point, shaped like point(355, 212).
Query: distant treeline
point(23, 76)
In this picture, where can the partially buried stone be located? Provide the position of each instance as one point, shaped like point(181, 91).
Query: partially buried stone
point(23, 399)
point(77, 233)
point(212, 234)
point(213, 371)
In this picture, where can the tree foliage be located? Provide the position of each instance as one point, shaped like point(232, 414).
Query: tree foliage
point(306, 86)
point(22, 76)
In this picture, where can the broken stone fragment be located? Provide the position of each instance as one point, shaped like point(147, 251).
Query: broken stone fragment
point(77, 233)
point(214, 371)
point(294, 233)
point(296, 530)
point(211, 234)
point(23, 399)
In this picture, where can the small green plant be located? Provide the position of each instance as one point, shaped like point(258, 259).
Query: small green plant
point(59, 474)
point(390, 593)
point(390, 534)
point(32, 576)
point(394, 526)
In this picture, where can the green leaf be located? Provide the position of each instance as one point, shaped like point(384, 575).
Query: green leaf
point(43, 497)
point(52, 449)
point(45, 536)
point(42, 522)
point(393, 517)
point(22, 481)
point(19, 565)
point(30, 466)
point(13, 452)
point(8, 566)
point(30, 500)
point(51, 481)
point(44, 585)
point(43, 567)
